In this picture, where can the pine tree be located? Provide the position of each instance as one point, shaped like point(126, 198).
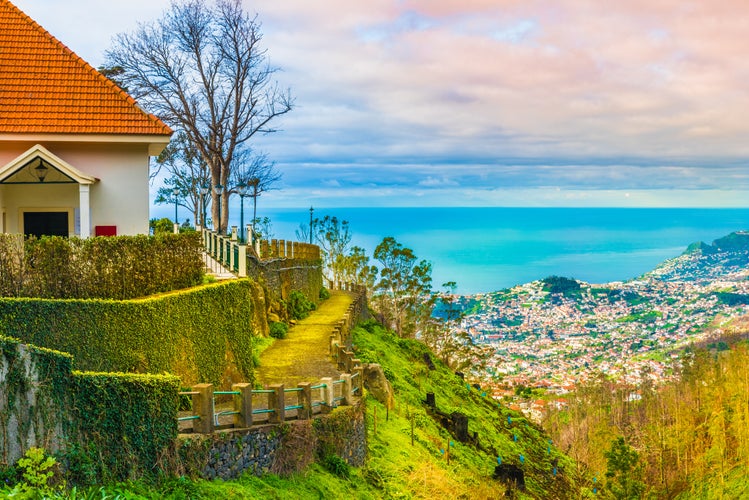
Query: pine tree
point(624, 471)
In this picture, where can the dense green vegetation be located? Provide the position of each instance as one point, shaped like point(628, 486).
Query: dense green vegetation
point(688, 439)
point(732, 299)
point(736, 242)
point(119, 267)
point(559, 285)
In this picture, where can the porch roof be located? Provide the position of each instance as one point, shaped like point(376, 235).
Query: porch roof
point(11, 172)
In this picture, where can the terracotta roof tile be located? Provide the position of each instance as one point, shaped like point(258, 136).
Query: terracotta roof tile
point(46, 88)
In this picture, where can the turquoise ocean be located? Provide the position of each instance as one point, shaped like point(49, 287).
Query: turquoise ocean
point(488, 249)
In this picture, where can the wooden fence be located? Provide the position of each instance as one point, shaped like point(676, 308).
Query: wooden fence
point(274, 404)
point(340, 338)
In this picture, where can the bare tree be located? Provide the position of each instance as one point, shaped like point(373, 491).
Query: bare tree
point(252, 178)
point(189, 180)
point(201, 68)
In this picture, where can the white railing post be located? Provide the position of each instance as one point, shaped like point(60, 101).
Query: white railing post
point(230, 245)
point(242, 261)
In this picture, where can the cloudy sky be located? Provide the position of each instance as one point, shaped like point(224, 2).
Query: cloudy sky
point(490, 102)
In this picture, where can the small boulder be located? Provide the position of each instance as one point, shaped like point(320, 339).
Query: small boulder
point(378, 385)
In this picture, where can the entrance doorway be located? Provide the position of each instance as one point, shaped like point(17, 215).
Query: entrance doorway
point(45, 224)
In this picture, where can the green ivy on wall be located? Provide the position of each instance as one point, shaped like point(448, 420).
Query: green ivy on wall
point(33, 397)
point(126, 425)
point(104, 426)
point(203, 334)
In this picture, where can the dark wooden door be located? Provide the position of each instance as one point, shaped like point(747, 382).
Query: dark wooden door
point(45, 223)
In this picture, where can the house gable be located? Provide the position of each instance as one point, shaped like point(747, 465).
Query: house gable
point(25, 169)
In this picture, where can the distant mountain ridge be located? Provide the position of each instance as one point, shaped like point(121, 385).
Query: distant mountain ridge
point(737, 241)
point(725, 257)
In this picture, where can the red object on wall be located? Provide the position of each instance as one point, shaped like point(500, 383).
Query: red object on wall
point(105, 230)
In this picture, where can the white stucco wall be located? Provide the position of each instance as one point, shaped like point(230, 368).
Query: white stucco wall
point(119, 198)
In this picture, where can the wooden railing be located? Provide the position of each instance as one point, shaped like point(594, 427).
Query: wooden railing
point(271, 405)
point(340, 338)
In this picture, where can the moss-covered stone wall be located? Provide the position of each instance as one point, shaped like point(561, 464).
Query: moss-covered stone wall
point(279, 449)
point(281, 276)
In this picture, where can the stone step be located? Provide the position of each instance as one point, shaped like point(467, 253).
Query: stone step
point(215, 269)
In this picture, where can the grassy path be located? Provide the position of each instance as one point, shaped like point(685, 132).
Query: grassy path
point(303, 356)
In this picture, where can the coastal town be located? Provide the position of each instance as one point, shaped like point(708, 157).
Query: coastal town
point(550, 335)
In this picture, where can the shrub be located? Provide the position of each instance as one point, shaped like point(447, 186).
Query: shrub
point(336, 465)
point(119, 267)
point(126, 423)
point(8, 476)
point(324, 293)
point(298, 305)
point(278, 330)
point(37, 469)
point(187, 333)
point(161, 226)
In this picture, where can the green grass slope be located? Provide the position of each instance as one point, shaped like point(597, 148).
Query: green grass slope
point(400, 469)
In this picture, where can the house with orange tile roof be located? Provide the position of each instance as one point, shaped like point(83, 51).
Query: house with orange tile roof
point(74, 147)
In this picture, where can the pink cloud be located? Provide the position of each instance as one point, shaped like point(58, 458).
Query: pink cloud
point(589, 71)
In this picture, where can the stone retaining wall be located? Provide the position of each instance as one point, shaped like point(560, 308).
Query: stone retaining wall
point(281, 449)
point(282, 276)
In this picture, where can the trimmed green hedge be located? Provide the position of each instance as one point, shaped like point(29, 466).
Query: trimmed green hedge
point(203, 334)
point(126, 425)
point(120, 267)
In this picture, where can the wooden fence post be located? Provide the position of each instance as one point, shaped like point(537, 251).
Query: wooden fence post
point(277, 402)
point(347, 394)
point(243, 405)
point(202, 406)
point(327, 394)
point(341, 355)
point(349, 362)
point(305, 401)
point(333, 345)
point(359, 371)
